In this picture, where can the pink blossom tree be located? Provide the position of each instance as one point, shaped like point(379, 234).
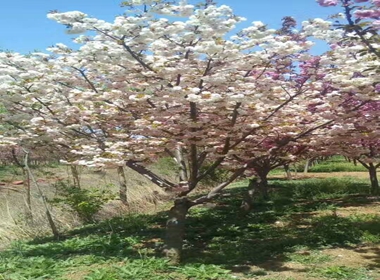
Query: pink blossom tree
point(359, 139)
point(362, 22)
point(147, 84)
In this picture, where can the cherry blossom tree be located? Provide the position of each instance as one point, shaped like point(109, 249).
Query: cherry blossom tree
point(359, 140)
point(362, 22)
point(148, 84)
point(357, 76)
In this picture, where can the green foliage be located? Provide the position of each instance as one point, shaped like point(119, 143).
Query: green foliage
point(316, 188)
point(117, 249)
point(369, 224)
point(280, 278)
point(148, 268)
point(166, 166)
point(9, 170)
point(219, 175)
point(337, 167)
point(34, 268)
point(335, 230)
point(334, 164)
point(85, 202)
point(343, 272)
point(309, 257)
point(204, 272)
point(219, 242)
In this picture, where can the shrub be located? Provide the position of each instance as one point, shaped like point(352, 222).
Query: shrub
point(334, 230)
point(84, 202)
point(333, 164)
point(316, 188)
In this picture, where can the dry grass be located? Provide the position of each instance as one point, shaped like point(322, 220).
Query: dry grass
point(143, 197)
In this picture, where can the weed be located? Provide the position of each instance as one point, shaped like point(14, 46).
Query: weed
point(335, 230)
point(132, 269)
point(281, 278)
point(218, 240)
point(334, 164)
point(309, 257)
point(316, 189)
point(204, 272)
point(343, 272)
point(84, 202)
point(166, 166)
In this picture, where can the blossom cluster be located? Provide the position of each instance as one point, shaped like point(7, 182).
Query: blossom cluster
point(142, 85)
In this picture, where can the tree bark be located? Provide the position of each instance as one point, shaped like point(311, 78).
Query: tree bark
point(262, 182)
point(29, 212)
point(373, 177)
point(15, 159)
point(247, 203)
point(75, 173)
point(287, 171)
point(150, 175)
point(175, 229)
point(123, 195)
point(306, 168)
point(257, 185)
point(183, 177)
point(49, 217)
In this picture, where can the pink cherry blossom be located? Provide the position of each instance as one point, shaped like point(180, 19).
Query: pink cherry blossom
point(376, 3)
point(327, 3)
point(367, 14)
point(144, 86)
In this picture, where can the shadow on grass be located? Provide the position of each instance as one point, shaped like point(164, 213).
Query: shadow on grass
point(122, 237)
point(222, 235)
point(372, 254)
point(266, 236)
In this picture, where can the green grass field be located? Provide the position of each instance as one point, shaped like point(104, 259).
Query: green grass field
point(336, 164)
point(333, 164)
point(306, 230)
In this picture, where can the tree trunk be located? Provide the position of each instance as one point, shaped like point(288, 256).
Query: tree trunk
point(259, 184)
point(29, 213)
point(52, 225)
point(122, 185)
point(175, 229)
point(75, 173)
point(287, 171)
point(247, 203)
point(15, 159)
point(262, 183)
point(306, 168)
point(183, 177)
point(373, 178)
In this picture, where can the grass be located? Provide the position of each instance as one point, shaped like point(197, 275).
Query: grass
point(142, 196)
point(8, 172)
point(343, 272)
point(333, 164)
point(317, 188)
point(336, 164)
point(301, 220)
point(308, 257)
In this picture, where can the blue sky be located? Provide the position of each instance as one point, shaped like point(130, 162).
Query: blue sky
point(24, 26)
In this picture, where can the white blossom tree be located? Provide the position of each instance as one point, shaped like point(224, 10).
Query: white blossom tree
point(148, 84)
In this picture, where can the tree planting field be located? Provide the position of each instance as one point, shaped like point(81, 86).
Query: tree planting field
point(315, 226)
point(155, 146)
